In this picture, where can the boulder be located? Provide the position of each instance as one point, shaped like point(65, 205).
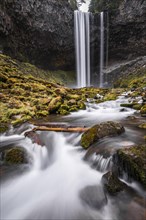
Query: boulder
point(99, 131)
point(112, 184)
point(15, 155)
point(132, 161)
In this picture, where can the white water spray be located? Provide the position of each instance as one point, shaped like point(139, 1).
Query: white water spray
point(55, 186)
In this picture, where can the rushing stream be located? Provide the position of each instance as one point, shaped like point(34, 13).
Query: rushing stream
point(61, 182)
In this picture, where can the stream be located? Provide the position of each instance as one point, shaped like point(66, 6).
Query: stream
point(62, 181)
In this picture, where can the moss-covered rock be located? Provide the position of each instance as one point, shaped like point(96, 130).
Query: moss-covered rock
point(127, 105)
point(99, 131)
point(143, 111)
point(143, 125)
point(112, 184)
point(16, 155)
point(55, 104)
point(110, 96)
point(132, 161)
point(3, 128)
point(137, 106)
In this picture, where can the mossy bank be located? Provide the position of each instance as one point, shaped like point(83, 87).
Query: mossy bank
point(31, 93)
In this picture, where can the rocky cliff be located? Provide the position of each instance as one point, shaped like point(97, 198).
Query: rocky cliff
point(38, 31)
point(127, 27)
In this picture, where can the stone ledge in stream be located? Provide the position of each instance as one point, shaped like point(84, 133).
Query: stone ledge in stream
point(132, 161)
point(99, 131)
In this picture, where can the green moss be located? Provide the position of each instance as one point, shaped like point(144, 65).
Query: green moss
point(89, 137)
point(3, 128)
point(81, 105)
point(15, 155)
point(3, 78)
point(63, 111)
point(110, 96)
point(101, 130)
point(73, 96)
point(42, 113)
point(127, 105)
point(132, 161)
point(137, 106)
point(143, 125)
point(143, 110)
point(73, 108)
point(135, 79)
point(21, 120)
point(55, 104)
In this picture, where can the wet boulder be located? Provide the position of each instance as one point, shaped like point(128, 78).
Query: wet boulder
point(34, 137)
point(143, 111)
point(55, 104)
point(99, 131)
point(93, 196)
point(15, 155)
point(132, 161)
point(112, 184)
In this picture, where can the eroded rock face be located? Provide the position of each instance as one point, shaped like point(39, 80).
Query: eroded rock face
point(39, 31)
point(128, 29)
point(127, 22)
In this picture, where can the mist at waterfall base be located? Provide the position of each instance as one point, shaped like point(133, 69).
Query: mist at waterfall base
point(91, 72)
point(59, 183)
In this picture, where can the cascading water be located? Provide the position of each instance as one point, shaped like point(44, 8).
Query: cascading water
point(82, 44)
point(60, 183)
point(56, 186)
point(101, 48)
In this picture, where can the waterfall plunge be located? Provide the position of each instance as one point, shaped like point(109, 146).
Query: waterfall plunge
point(82, 45)
point(82, 41)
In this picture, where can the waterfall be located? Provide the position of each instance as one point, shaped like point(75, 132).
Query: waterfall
point(101, 48)
point(82, 44)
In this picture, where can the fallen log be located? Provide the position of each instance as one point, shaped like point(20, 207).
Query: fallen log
point(61, 129)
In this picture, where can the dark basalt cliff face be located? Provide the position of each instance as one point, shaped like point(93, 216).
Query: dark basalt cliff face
point(38, 31)
point(127, 27)
point(128, 30)
point(42, 31)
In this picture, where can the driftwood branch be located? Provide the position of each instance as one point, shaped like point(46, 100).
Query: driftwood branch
point(61, 129)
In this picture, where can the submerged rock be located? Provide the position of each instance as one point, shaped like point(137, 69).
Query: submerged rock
point(112, 183)
point(132, 161)
point(99, 131)
point(93, 196)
